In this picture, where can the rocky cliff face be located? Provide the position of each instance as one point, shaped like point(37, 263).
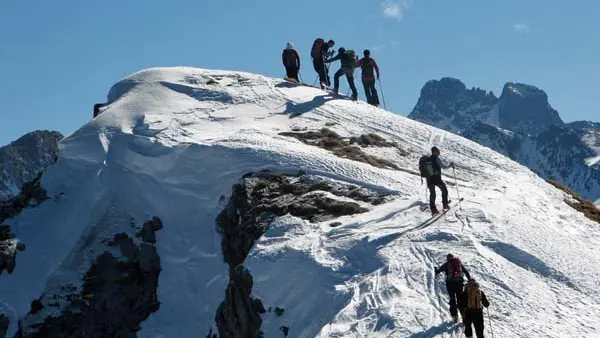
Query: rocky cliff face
point(117, 292)
point(525, 109)
point(22, 160)
point(441, 99)
point(520, 124)
point(254, 203)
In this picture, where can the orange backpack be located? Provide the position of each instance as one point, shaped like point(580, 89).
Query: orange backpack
point(474, 297)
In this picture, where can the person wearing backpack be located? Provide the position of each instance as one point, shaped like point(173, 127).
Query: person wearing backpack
point(291, 62)
point(368, 64)
point(430, 168)
point(455, 273)
point(473, 300)
point(348, 62)
point(319, 53)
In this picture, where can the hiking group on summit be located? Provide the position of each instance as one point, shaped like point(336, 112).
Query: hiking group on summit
point(322, 56)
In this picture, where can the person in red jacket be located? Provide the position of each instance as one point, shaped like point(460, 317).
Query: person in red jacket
point(291, 62)
point(369, 67)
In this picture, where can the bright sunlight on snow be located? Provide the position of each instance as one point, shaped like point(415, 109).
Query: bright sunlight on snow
point(173, 141)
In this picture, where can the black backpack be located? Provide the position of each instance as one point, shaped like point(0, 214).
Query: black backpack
point(426, 166)
point(290, 58)
point(317, 48)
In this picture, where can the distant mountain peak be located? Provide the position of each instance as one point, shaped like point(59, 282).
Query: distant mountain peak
point(522, 89)
point(440, 101)
point(525, 108)
point(520, 124)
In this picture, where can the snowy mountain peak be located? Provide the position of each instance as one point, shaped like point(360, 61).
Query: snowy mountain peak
point(525, 109)
point(441, 99)
point(228, 204)
point(23, 159)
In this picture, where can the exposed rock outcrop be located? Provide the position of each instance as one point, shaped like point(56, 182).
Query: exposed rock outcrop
point(119, 291)
point(9, 246)
point(254, 204)
point(32, 194)
point(330, 140)
point(22, 160)
point(239, 314)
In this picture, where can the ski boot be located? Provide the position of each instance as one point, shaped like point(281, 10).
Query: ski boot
point(455, 319)
point(434, 211)
point(446, 205)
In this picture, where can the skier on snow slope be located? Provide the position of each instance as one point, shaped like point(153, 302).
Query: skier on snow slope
point(455, 272)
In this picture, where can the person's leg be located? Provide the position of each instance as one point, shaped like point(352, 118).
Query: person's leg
point(478, 322)
point(468, 324)
point(294, 74)
point(320, 68)
point(444, 190)
point(367, 91)
point(352, 86)
point(453, 290)
point(374, 95)
point(327, 74)
point(336, 80)
point(431, 196)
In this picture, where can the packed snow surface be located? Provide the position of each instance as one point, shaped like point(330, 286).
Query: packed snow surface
point(173, 141)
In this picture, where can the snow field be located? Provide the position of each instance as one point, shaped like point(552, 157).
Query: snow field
point(173, 141)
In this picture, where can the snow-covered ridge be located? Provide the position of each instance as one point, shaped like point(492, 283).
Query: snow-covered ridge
point(173, 142)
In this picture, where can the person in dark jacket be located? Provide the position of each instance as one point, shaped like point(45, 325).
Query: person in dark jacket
point(455, 273)
point(320, 54)
point(348, 63)
point(369, 67)
point(436, 181)
point(473, 300)
point(291, 62)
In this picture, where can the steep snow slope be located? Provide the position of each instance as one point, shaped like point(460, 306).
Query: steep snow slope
point(173, 142)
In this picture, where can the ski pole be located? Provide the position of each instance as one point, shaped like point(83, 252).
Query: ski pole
point(382, 96)
point(316, 79)
point(490, 320)
point(426, 195)
point(456, 184)
point(300, 77)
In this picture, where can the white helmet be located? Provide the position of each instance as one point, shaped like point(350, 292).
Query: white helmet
point(289, 45)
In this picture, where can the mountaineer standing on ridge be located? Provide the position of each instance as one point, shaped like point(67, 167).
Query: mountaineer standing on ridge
point(291, 62)
point(319, 53)
point(431, 168)
point(348, 62)
point(454, 271)
point(369, 67)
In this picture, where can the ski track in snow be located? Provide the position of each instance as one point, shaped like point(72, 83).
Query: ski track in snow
point(171, 144)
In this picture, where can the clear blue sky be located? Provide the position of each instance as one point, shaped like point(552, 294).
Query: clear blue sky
point(58, 58)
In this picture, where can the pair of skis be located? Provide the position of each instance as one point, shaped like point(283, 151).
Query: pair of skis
point(438, 215)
